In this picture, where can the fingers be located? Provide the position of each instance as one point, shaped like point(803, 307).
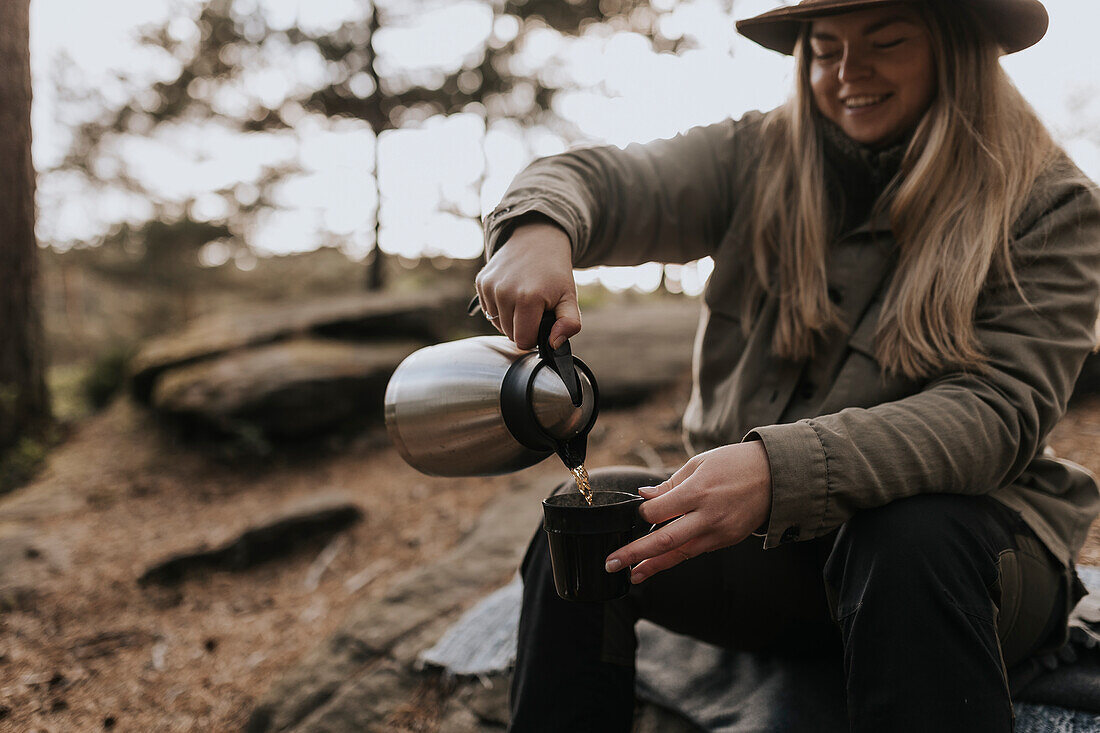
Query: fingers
point(488, 302)
point(525, 323)
point(507, 310)
point(649, 568)
point(651, 492)
point(671, 498)
point(518, 318)
point(673, 543)
point(568, 324)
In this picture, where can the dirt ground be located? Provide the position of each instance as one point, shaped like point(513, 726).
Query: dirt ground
point(84, 648)
point(91, 650)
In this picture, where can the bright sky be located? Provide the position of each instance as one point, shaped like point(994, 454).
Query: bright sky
point(627, 94)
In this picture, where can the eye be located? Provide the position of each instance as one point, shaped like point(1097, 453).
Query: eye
point(889, 44)
point(826, 55)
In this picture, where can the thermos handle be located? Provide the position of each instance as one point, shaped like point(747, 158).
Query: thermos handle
point(561, 358)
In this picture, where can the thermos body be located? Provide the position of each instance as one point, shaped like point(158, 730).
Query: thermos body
point(447, 407)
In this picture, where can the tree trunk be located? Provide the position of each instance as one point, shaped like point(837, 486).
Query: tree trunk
point(376, 263)
point(24, 404)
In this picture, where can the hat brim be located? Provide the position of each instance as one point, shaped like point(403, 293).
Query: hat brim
point(1016, 24)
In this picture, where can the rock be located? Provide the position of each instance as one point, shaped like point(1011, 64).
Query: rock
point(302, 371)
point(289, 388)
point(635, 350)
point(343, 678)
point(427, 317)
point(268, 540)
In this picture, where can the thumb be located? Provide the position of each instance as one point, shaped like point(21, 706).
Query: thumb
point(568, 323)
point(685, 471)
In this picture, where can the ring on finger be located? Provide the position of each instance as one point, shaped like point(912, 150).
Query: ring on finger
point(492, 318)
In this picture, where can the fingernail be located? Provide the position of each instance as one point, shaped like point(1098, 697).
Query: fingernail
point(613, 565)
point(556, 343)
point(647, 490)
point(636, 578)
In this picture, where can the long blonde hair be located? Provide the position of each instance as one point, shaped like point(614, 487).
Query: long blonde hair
point(963, 181)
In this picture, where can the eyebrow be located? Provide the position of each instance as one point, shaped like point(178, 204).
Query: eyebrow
point(876, 26)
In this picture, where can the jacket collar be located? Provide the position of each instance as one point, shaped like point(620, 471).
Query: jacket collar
point(856, 176)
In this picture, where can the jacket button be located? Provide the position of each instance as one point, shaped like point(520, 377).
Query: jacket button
point(807, 391)
point(790, 534)
point(836, 296)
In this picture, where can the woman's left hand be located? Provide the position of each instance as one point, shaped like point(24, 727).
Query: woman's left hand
point(717, 499)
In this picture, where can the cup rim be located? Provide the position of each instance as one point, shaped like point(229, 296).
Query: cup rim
point(550, 500)
point(583, 519)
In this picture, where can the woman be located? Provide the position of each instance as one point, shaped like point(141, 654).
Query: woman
point(906, 281)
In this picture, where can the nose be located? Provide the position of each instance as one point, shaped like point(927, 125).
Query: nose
point(853, 67)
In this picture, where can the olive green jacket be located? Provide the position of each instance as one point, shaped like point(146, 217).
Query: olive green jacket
point(841, 435)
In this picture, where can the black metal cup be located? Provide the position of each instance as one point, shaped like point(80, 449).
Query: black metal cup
point(582, 536)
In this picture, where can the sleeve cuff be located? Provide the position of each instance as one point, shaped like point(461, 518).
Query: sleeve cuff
point(800, 486)
point(499, 224)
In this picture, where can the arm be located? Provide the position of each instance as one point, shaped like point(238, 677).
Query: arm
point(663, 201)
point(668, 200)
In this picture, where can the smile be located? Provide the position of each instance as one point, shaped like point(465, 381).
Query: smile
point(864, 100)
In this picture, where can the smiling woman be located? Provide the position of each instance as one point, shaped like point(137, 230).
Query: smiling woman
point(906, 281)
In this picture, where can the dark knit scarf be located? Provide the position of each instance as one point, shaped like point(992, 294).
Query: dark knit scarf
point(855, 174)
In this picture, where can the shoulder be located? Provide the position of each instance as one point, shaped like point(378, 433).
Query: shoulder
point(751, 129)
point(742, 134)
point(1062, 195)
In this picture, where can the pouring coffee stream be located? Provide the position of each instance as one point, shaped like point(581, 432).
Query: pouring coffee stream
point(482, 406)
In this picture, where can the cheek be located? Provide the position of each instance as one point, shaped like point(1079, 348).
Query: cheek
point(822, 87)
point(923, 79)
point(931, 83)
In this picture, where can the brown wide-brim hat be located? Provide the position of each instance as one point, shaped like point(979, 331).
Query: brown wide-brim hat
point(1016, 24)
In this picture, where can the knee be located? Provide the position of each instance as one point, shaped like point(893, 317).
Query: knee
point(920, 541)
point(910, 530)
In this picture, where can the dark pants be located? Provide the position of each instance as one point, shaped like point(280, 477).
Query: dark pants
point(927, 600)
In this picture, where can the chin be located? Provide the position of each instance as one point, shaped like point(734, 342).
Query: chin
point(870, 138)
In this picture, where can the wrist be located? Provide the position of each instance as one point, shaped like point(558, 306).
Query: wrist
point(532, 223)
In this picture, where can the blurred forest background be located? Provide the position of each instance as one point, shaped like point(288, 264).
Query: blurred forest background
point(194, 156)
point(264, 152)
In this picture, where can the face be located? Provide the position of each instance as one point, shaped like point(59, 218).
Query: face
point(873, 72)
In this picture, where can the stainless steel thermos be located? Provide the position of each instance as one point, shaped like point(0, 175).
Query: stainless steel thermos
point(482, 406)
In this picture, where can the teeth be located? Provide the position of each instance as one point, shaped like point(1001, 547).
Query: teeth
point(864, 101)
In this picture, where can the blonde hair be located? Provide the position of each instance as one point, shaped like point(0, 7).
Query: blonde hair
point(963, 181)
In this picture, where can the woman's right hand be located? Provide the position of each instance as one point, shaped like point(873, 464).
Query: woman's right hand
point(531, 274)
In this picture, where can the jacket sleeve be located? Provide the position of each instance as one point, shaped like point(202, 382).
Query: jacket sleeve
point(663, 201)
point(966, 433)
